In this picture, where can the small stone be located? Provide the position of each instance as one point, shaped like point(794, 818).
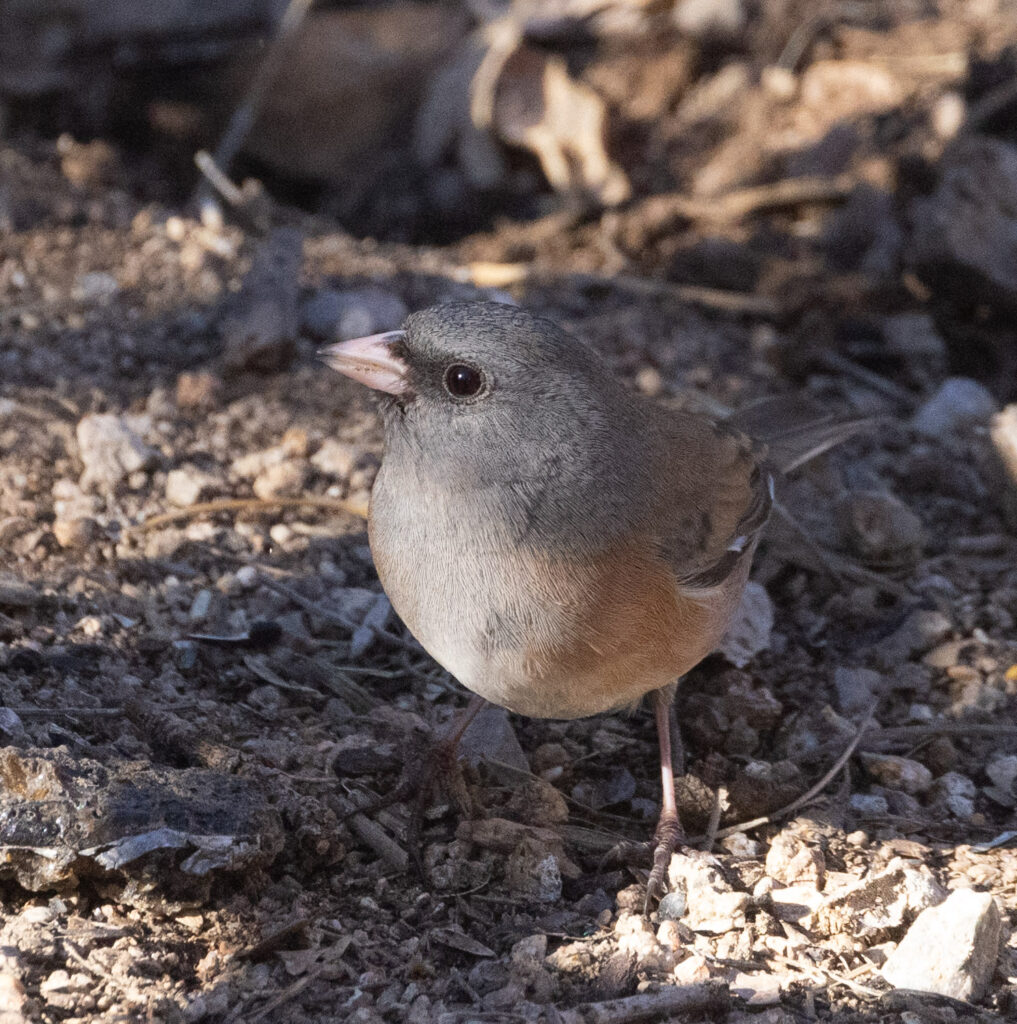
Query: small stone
point(856, 688)
point(914, 336)
point(922, 630)
point(951, 949)
point(958, 404)
point(187, 485)
point(869, 804)
point(672, 905)
point(95, 287)
point(80, 532)
point(198, 390)
point(956, 793)
point(532, 949)
point(200, 606)
point(898, 772)
point(875, 908)
point(110, 450)
point(247, 576)
point(283, 480)
point(337, 458)
point(749, 631)
point(791, 860)
point(709, 18)
point(880, 530)
point(693, 969)
point(369, 311)
point(1002, 771)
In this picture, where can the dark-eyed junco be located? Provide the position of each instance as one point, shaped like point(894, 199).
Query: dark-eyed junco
point(560, 543)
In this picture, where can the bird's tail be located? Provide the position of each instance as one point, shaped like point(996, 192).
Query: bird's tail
point(795, 430)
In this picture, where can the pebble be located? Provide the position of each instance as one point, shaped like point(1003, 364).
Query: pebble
point(95, 286)
point(187, 485)
point(920, 631)
point(672, 905)
point(869, 803)
point(247, 576)
point(1003, 431)
point(369, 311)
point(896, 772)
point(713, 906)
point(15, 594)
point(1002, 771)
point(78, 533)
point(956, 793)
point(951, 949)
point(880, 530)
point(282, 480)
point(337, 458)
point(749, 632)
point(874, 907)
point(110, 450)
point(959, 403)
point(856, 688)
point(791, 860)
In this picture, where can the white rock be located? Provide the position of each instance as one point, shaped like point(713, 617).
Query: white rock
point(283, 480)
point(186, 485)
point(337, 458)
point(110, 451)
point(749, 632)
point(873, 907)
point(950, 949)
point(960, 402)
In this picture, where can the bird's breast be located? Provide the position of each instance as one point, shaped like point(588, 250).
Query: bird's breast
point(549, 633)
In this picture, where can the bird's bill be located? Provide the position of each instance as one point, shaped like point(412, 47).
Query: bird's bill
point(370, 361)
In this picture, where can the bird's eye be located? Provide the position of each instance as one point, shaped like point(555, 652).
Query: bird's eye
point(463, 381)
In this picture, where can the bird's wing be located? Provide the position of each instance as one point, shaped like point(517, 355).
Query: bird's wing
point(711, 501)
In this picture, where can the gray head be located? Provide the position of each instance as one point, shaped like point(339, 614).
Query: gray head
point(479, 369)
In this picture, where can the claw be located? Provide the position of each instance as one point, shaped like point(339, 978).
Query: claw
point(669, 837)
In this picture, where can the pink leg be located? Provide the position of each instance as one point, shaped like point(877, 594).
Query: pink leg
point(669, 834)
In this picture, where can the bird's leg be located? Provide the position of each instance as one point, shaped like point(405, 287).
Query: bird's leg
point(439, 766)
point(669, 834)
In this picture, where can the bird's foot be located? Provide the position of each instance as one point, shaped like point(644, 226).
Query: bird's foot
point(431, 768)
point(668, 837)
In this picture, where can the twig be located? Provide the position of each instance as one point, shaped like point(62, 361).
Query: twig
point(247, 505)
point(324, 613)
point(246, 113)
point(709, 998)
point(810, 793)
point(503, 275)
point(827, 975)
point(374, 836)
point(217, 178)
point(656, 213)
point(710, 837)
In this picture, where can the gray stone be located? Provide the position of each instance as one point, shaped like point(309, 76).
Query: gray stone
point(856, 688)
point(1002, 771)
point(749, 631)
point(956, 793)
point(110, 450)
point(951, 949)
point(369, 311)
point(959, 403)
point(921, 630)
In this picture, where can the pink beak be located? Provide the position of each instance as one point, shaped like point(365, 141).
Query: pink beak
point(370, 360)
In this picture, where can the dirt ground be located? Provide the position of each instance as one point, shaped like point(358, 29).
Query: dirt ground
point(197, 701)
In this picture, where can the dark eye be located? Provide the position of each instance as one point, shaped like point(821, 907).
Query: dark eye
point(463, 381)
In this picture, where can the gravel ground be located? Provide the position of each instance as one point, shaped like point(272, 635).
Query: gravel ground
point(203, 686)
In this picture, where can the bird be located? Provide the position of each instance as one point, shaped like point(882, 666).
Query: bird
point(562, 544)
